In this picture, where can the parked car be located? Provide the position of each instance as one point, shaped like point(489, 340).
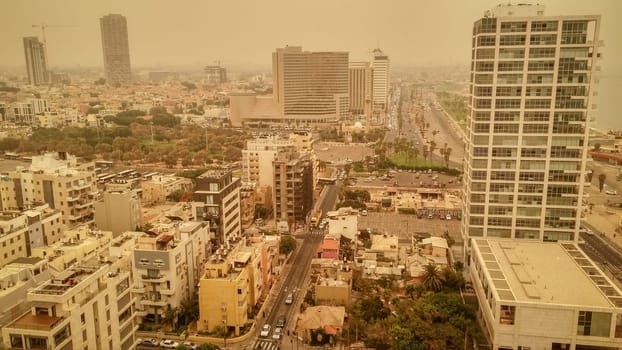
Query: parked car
point(611, 192)
point(448, 216)
point(290, 299)
point(277, 333)
point(430, 216)
point(191, 345)
point(364, 212)
point(169, 344)
point(151, 342)
point(265, 331)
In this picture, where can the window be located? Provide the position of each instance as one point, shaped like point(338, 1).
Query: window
point(595, 324)
point(542, 52)
point(510, 116)
point(574, 32)
point(512, 27)
point(507, 314)
point(539, 78)
point(503, 79)
point(509, 91)
point(512, 40)
point(507, 103)
point(483, 78)
point(484, 66)
point(511, 53)
point(540, 66)
point(485, 53)
point(538, 104)
point(509, 66)
point(486, 40)
point(544, 26)
point(485, 25)
point(543, 39)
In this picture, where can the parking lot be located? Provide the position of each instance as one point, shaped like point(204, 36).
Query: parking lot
point(404, 225)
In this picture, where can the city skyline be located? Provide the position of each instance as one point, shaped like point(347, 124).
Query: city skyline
point(237, 38)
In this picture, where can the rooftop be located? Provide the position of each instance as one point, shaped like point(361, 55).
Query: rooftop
point(36, 322)
point(531, 272)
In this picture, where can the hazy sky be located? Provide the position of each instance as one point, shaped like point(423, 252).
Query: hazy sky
point(198, 32)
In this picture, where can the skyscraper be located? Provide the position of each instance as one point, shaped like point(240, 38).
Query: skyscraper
point(116, 49)
point(531, 79)
point(381, 69)
point(360, 87)
point(36, 66)
point(310, 84)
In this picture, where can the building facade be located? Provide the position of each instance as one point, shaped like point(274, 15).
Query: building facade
point(293, 186)
point(36, 63)
point(310, 84)
point(216, 199)
point(381, 71)
point(258, 156)
point(119, 210)
point(116, 49)
point(361, 88)
point(531, 91)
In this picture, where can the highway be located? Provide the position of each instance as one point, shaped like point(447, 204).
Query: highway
point(602, 251)
point(295, 281)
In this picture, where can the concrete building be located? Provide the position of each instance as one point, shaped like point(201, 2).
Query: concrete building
point(381, 71)
point(248, 194)
point(36, 62)
point(119, 210)
point(328, 318)
point(216, 74)
point(167, 267)
point(532, 80)
point(216, 199)
point(361, 92)
point(226, 288)
point(56, 179)
point(159, 187)
point(116, 49)
point(13, 237)
point(45, 226)
point(544, 296)
point(343, 222)
point(329, 249)
point(334, 287)
point(258, 157)
point(86, 306)
point(293, 186)
point(16, 278)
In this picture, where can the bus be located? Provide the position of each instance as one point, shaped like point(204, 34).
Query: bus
point(125, 172)
point(103, 163)
point(11, 155)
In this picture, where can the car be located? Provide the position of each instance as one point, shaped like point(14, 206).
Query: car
point(611, 192)
point(280, 322)
point(151, 342)
point(448, 216)
point(290, 299)
point(441, 216)
point(430, 216)
point(364, 212)
point(190, 345)
point(277, 333)
point(265, 330)
point(169, 344)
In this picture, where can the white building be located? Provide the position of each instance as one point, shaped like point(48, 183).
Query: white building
point(535, 295)
point(381, 71)
point(258, 156)
point(343, 222)
point(531, 83)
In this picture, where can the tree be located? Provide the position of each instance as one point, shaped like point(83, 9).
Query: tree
point(175, 196)
point(207, 346)
point(432, 279)
point(287, 244)
point(170, 316)
point(601, 181)
point(596, 147)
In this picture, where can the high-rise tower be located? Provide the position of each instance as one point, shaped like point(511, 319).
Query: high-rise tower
point(531, 79)
point(115, 46)
point(381, 69)
point(36, 66)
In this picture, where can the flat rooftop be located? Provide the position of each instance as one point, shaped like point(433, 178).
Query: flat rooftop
point(549, 273)
point(36, 322)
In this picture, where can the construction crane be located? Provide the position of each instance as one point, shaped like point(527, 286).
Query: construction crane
point(43, 26)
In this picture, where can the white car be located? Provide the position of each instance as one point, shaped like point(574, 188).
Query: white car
point(364, 212)
point(169, 344)
point(611, 192)
point(265, 331)
point(277, 333)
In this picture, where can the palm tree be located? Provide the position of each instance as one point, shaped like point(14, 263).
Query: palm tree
point(601, 181)
point(432, 279)
point(170, 316)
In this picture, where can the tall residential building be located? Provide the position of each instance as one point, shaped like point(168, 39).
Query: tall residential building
point(531, 89)
point(217, 200)
point(56, 179)
point(310, 84)
point(361, 83)
point(381, 70)
point(116, 48)
point(258, 156)
point(216, 74)
point(36, 64)
point(293, 185)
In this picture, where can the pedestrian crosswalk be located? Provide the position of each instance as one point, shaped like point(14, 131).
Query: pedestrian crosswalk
point(265, 344)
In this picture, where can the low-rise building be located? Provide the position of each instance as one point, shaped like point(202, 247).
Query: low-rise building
point(334, 286)
point(327, 318)
point(329, 249)
point(385, 246)
point(160, 186)
point(13, 237)
point(535, 295)
point(343, 222)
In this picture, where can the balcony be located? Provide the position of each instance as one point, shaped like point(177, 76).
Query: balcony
point(138, 290)
point(167, 291)
point(37, 322)
point(154, 279)
point(153, 302)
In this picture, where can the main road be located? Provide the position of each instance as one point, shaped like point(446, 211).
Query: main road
point(295, 280)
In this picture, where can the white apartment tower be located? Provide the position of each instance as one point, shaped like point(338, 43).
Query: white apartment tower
point(531, 79)
point(310, 85)
point(381, 70)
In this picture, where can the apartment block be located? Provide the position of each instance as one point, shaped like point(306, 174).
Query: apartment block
point(258, 156)
point(36, 62)
point(532, 79)
point(86, 306)
point(216, 199)
point(167, 267)
point(539, 295)
point(226, 288)
point(293, 186)
point(119, 210)
point(380, 85)
point(56, 179)
point(45, 226)
point(361, 92)
point(116, 49)
point(13, 237)
point(159, 187)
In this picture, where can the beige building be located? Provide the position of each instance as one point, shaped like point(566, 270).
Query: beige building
point(258, 156)
point(116, 49)
point(248, 195)
point(160, 186)
point(56, 179)
point(45, 226)
point(228, 288)
point(13, 237)
point(381, 71)
point(343, 222)
point(86, 306)
point(119, 210)
point(361, 92)
point(293, 186)
point(334, 287)
point(167, 267)
point(328, 318)
point(544, 296)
